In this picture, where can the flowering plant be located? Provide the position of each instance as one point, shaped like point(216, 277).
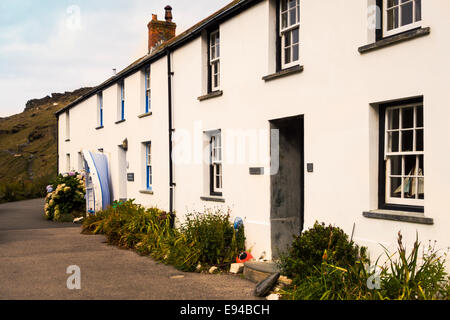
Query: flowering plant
point(66, 197)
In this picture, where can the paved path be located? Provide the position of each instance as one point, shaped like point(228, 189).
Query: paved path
point(35, 253)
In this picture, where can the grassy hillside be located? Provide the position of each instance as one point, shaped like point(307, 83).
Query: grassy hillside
point(28, 149)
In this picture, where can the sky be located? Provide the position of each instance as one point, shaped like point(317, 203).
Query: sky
point(50, 46)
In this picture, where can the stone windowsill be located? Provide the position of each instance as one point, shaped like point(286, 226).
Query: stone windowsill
point(212, 199)
point(120, 121)
point(99, 128)
point(283, 73)
point(148, 114)
point(211, 95)
point(401, 216)
point(146, 192)
point(405, 36)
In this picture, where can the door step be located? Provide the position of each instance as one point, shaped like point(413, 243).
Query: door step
point(256, 271)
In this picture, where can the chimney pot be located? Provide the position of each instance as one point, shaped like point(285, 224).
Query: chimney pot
point(160, 31)
point(168, 16)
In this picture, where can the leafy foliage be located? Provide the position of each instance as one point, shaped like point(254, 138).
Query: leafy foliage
point(317, 244)
point(17, 191)
point(402, 279)
point(207, 239)
point(67, 198)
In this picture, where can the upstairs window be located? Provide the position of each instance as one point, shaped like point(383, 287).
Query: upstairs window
point(100, 109)
point(67, 125)
point(122, 101)
point(289, 11)
point(147, 90)
point(404, 154)
point(216, 164)
point(401, 15)
point(214, 60)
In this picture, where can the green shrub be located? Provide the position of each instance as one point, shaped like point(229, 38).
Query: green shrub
point(315, 245)
point(401, 279)
point(407, 278)
point(24, 190)
point(67, 200)
point(206, 238)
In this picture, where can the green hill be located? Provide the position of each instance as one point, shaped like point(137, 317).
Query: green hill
point(28, 148)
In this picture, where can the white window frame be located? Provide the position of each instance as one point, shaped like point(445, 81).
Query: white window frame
point(216, 163)
point(389, 154)
point(289, 29)
point(148, 167)
point(214, 59)
point(100, 109)
point(148, 90)
point(399, 29)
point(121, 100)
point(68, 125)
point(68, 162)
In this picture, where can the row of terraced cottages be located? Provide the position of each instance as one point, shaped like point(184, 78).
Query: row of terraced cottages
point(286, 112)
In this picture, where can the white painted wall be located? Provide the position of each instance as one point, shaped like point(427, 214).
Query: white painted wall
point(334, 93)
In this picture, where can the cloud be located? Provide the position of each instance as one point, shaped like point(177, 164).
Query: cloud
point(56, 46)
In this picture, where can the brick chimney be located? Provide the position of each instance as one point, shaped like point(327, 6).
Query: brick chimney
point(160, 31)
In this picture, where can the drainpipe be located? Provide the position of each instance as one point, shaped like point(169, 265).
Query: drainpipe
point(171, 130)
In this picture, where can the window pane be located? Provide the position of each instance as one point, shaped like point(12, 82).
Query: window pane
point(419, 117)
point(213, 52)
point(421, 167)
point(392, 18)
point(410, 165)
point(218, 51)
point(295, 53)
point(419, 140)
point(409, 191)
point(393, 119)
point(287, 39)
point(295, 36)
point(393, 141)
point(292, 17)
point(283, 5)
point(418, 10)
point(396, 187)
point(407, 140)
point(407, 118)
point(284, 22)
point(421, 188)
point(396, 165)
point(407, 13)
point(287, 55)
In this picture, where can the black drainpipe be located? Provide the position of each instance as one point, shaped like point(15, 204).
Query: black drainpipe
point(171, 130)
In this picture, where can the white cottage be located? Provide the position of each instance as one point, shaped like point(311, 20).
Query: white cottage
point(287, 112)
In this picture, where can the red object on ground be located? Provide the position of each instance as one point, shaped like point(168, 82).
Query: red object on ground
point(244, 257)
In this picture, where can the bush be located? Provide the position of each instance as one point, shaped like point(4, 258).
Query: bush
point(209, 239)
point(66, 198)
point(24, 190)
point(402, 279)
point(205, 238)
point(406, 279)
point(315, 245)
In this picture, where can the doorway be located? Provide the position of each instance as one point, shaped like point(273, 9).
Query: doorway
point(287, 182)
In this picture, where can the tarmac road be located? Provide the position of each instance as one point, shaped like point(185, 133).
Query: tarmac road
point(35, 255)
